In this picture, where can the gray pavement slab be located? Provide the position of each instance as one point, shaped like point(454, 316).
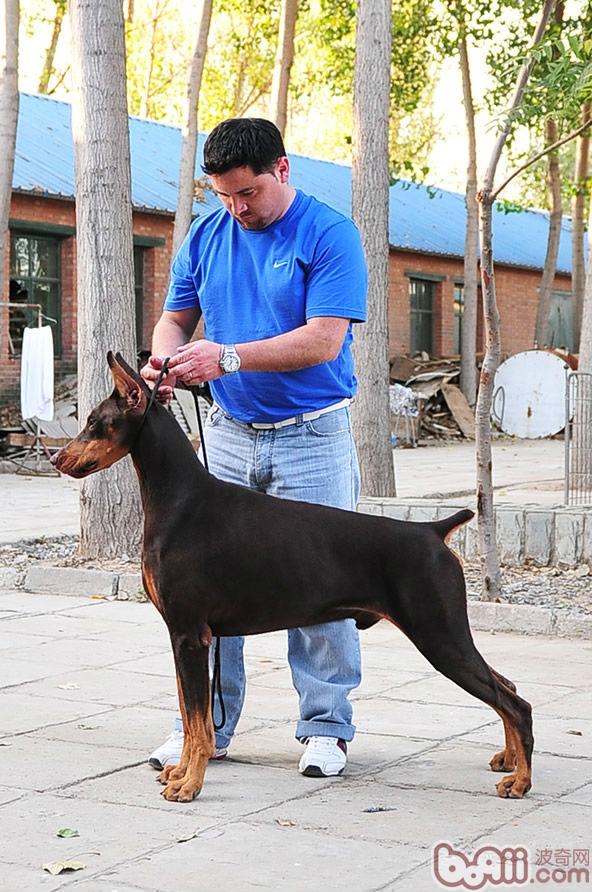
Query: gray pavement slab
point(76, 729)
point(43, 506)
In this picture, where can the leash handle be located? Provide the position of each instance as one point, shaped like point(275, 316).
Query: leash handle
point(162, 374)
point(217, 689)
point(202, 439)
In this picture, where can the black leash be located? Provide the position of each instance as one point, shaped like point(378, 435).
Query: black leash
point(202, 439)
point(163, 372)
point(216, 673)
point(217, 689)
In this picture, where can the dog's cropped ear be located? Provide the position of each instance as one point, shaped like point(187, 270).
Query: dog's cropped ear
point(126, 385)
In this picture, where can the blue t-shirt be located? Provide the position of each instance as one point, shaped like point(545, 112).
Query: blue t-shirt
point(255, 284)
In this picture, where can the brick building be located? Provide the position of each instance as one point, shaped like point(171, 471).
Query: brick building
point(426, 236)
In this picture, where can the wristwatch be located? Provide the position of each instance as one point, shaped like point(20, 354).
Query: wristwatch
point(229, 359)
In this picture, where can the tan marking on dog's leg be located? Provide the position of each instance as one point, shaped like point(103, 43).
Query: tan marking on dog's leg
point(174, 772)
point(200, 732)
point(505, 760)
point(515, 785)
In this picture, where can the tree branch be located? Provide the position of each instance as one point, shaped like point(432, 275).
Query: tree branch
point(541, 154)
point(521, 82)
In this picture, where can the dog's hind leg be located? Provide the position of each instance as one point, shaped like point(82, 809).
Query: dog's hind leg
point(465, 666)
point(505, 760)
point(185, 781)
point(445, 639)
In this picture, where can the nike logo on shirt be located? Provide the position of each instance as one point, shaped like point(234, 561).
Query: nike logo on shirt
point(278, 263)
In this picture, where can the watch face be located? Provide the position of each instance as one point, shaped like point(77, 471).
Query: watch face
point(230, 362)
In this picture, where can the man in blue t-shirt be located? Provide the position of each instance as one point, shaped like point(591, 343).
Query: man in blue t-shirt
point(277, 278)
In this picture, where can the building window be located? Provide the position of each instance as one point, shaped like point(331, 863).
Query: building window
point(34, 279)
point(560, 324)
point(139, 294)
point(421, 300)
point(459, 306)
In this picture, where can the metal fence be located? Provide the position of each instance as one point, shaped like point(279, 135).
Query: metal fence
point(578, 438)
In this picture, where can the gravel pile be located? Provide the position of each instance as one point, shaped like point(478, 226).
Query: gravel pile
point(58, 551)
point(540, 586)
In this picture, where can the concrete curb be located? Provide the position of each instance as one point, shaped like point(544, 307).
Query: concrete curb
point(74, 581)
point(525, 619)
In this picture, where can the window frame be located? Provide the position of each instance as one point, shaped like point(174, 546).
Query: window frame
point(29, 282)
point(418, 314)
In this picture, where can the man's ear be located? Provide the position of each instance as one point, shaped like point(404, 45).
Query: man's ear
point(127, 387)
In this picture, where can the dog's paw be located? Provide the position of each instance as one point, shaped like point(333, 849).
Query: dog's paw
point(503, 761)
point(170, 772)
point(514, 786)
point(181, 790)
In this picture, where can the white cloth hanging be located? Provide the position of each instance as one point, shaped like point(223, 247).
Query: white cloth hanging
point(37, 373)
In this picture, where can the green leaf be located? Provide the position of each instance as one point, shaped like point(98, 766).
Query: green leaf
point(67, 833)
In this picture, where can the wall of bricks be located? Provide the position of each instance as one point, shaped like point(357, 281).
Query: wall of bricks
point(517, 290)
point(29, 209)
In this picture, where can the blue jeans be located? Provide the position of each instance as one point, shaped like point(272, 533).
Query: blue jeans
point(314, 461)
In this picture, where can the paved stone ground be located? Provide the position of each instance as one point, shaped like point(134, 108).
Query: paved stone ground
point(87, 690)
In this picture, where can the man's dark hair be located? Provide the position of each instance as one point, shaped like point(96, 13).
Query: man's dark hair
point(243, 141)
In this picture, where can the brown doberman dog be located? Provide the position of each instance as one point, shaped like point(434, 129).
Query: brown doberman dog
point(220, 559)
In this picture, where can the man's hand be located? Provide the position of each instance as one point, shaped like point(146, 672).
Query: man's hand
point(150, 373)
point(197, 362)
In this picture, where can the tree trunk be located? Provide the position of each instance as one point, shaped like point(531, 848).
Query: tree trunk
point(370, 203)
point(51, 50)
point(278, 104)
point(578, 214)
point(468, 344)
point(581, 431)
point(585, 359)
point(9, 103)
point(189, 133)
point(548, 278)
point(110, 515)
point(490, 571)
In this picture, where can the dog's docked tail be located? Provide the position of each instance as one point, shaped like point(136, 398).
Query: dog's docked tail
point(448, 525)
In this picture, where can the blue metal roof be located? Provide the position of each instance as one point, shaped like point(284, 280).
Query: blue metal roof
point(422, 219)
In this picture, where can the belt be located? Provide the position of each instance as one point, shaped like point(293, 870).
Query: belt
point(299, 419)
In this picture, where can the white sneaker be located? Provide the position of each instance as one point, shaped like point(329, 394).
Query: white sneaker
point(323, 757)
point(169, 753)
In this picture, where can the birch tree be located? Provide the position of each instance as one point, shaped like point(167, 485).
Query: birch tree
point(490, 572)
point(578, 211)
point(9, 102)
point(109, 502)
point(370, 203)
point(555, 217)
point(278, 103)
point(189, 131)
point(468, 332)
point(553, 238)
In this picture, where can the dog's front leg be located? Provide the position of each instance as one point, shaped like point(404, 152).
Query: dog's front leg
point(184, 781)
point(174, 772)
